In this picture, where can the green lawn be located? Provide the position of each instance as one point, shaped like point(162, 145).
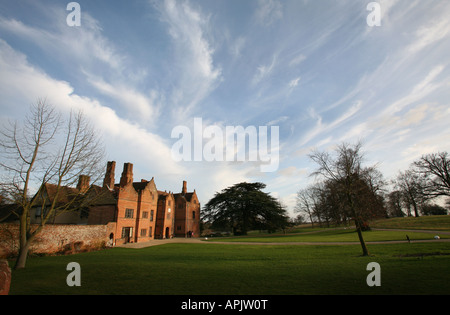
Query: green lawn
point(242, 269)
point(434, 222)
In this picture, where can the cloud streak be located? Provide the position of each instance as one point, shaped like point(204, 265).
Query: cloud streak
point(197, 75)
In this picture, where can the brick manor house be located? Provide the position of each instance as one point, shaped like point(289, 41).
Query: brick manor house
point(140, 212)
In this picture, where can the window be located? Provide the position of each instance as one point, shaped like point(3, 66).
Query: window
point(127, 232)
point(143, 232)
point(145, 214)
point(151, 215)
point(129, 213)
point(150, 233)
point(193, 214)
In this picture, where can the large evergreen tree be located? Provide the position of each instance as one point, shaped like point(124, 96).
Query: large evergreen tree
point(243, 207)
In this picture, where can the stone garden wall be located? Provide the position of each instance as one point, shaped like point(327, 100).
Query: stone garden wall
point(56, 239)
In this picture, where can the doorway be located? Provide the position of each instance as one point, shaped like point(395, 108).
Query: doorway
point(167, 232)
point(126, 234)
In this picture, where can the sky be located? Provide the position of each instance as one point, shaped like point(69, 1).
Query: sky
point(316, 70)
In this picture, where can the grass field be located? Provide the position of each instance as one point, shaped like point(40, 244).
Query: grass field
point(434, 222)
point(222, 269)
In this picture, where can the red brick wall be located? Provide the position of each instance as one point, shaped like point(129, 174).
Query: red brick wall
point(165, 217)
point(180, 217)
point(147, 203)
point(185, 220)
point(127, 199)
point(57, 238)
point(194, 220)
point(100, 215)
point(142, 203)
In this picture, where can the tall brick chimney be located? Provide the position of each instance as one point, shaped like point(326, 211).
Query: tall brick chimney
point(108, 181)
point(83, 183)
point(184, 190)
point(127, 174)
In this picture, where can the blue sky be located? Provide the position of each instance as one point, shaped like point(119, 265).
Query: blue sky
point(316, 69)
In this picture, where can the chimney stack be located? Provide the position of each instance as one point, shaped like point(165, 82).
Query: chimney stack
point(184, 190)
point(127, 174)
point(108, 181)
point(83, 183)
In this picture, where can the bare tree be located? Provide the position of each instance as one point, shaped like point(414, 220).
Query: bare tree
point(394, 204)
point(411, 186)
point(46, 149)
point(435, 171)
point(304, 203)
point(347, 171)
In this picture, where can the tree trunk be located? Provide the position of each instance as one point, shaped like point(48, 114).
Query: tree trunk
point(24, 243)
point(361, 239)
point(416, 212)
point(25, 240)
point(22, 257)
point(358, 226)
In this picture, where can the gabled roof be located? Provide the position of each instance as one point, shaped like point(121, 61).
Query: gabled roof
point(66, 194)
point(164, 194)
point(95, 195)
point(138, 186)
point(102, 196)
point(187, 196)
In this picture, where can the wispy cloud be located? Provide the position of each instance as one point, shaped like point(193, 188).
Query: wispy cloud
point(322, 128)
point(429, 34)
point(277, 121)
point(292, 171)
point(418, 92)
point(268, 12)
point(294, 82)
point(142, 108)
point(237, 46)
point(264, 71)
point(89, 48)
point(197, 75)
point(297, 60)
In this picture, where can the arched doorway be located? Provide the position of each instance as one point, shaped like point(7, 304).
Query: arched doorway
point(111, 239)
